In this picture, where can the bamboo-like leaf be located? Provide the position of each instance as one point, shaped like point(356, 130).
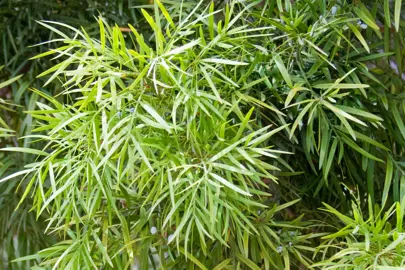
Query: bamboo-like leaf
point(340, 85)
point(165, 13)
point(211, 84)
point(342, 113)
point(247, 262)
point(223, 61)
point(355, 111)
point(330, 159)
point(398, 119)
point(300, 117)
point(397, 13)
point(366, 17)
point(283, 70)
point(10, 81)
point(229, 184)
point(359, 36)
point(355, 147)
point(156, 116)
point(183, 48)
point(387, 182)
point(292, 93)
point(25, 150)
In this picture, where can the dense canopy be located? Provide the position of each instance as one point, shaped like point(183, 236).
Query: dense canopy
point(202, 134)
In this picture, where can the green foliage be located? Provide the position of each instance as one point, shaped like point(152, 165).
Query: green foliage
point(16, 227)
point(19, 31)
point(192, 137)
point(5, 106)
point(375, 241)
point(140, 148)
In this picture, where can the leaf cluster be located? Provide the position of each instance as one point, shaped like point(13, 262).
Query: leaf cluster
point(189, 145)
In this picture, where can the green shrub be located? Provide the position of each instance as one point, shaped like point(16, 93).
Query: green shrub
point(372, 241)
point(210, 140)
point(19, 31)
